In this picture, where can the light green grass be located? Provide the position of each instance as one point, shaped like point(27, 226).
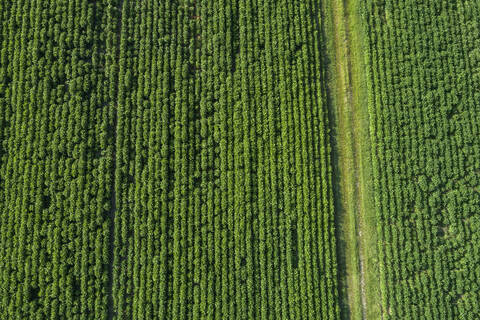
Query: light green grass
point(356, 227)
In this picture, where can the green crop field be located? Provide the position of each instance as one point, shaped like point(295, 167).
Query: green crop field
point(257, 159)
point(424, 82)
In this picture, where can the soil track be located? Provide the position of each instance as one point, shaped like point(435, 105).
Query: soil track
point(349, 165)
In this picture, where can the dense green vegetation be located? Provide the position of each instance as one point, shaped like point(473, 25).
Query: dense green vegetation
point(223, 176)
point(55, 159)
point(225, 159)
point(165, 160)
point(424, 95)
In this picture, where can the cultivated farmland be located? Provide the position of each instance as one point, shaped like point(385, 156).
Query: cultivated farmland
point(424, 113)
point(165, 160)
point(258, 159)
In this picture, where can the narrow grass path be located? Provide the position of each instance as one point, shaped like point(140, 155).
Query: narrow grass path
point(350, 206)
point(355, 214)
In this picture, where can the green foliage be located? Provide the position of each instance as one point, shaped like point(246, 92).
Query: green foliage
point(54, 161)
point(164, 160)
point(423, 77)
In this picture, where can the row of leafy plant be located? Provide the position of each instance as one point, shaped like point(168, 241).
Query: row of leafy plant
point(55, 159)
point(164, 160)
point(223, 173)
point(423, 68)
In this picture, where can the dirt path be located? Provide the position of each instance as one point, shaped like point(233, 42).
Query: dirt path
point(349, 166)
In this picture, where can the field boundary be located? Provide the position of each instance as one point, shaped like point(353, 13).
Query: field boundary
point(355, 211)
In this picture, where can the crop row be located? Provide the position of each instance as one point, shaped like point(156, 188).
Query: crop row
point(423, 67)
point(224, 196)
point(164, 160)
point(55, 159)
